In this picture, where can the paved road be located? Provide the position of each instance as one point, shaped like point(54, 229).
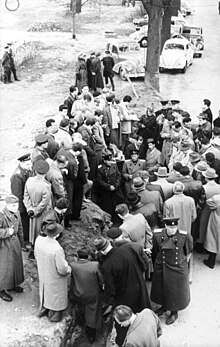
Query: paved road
point(202, 79)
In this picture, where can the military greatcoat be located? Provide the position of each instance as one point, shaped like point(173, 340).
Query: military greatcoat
point(170, 284)
point(131, 168)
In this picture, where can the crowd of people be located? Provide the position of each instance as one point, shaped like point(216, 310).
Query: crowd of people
point(156, 174)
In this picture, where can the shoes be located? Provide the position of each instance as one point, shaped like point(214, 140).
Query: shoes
point(10, 82)
point(199, 248)
point(171, 319)
point(25, 249)
point(31, 255)
point(160, 311)
point(206, 262)
point(17, 289)
point(43, 312)
point(17, 79)
point(5, 296)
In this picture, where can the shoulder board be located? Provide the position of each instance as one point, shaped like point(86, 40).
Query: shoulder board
point(99, 166)
point(127, 160)
point(18, 171)
point(157, 231)
point(183, 232)
point(142, 160)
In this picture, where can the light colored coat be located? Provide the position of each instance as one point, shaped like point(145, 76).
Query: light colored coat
point(52, 271)
point(55, 178)
point(137, 229)
point(153, 160)
point(166, 187)
point(212, 241)
point(182, 207)
point(131, 168)
point(37, 198)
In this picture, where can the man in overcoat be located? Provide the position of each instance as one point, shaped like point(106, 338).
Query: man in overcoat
point(53, 270)
point(37, 200)
point(6, 66)
point(123, 278)
point(85, 289)
point(108, 63)
point(97, 81)
point(11, 241)
point(108, 183)
point(18, 180)
point(170, 284)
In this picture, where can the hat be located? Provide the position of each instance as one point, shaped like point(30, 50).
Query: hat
point(216, 131)
point(53, 229)
point(62, 203)
point(162, 172)
point(92, 53)
point(174, 102)
point(101, 243)
point(171, 221)
point(25, 157)
point(97, 54)
point(138, 183)
point(134, 151)
point(194, 157)
point(41, 138)
point(106, 154)
point(164, 102)
point(203, 116)
point(210, 173)
point(107, 52)
point(11, 199)
point(133, 199)
point(41, 166)
point(151, 140)
point(184, 145)
point(201, 166)
point(114, 232)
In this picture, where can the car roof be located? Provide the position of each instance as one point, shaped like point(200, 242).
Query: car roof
point(176, 40)
point(192, 26)
point(119, 41)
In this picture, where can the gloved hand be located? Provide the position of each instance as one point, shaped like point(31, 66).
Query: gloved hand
point(31, 214)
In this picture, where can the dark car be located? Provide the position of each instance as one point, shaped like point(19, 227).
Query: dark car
point(193, 33)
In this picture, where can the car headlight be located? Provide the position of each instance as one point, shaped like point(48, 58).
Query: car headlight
point(199, 46)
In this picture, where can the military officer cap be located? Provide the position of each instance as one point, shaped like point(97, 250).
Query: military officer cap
point(25, 157)
point(41, 138)
point(106, 154)
point(41, 166)
point(175, 102)
point(171, 221)
point(134, 151)
point(164, 102)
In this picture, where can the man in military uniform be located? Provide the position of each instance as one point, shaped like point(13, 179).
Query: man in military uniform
point(6, 66)
point(108, 73)
point(18, 180)
point(170, 284)
point(39, 150)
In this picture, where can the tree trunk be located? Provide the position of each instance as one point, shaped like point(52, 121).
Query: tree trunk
point(73, 9)
point(154, 9)
point(166, 26)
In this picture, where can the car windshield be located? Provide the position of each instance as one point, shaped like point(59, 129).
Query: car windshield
point(174, 46)
point(126, 47)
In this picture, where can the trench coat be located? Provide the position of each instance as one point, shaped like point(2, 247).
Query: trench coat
point(52, 271)
point(11, 264)
point(109, 176)
point(212, 241)
point(86, 284)
point(81, 74)
point(131, 168)
point(55, 178)
point(170, 284)
point(97, 80)
point(144, 331)
point(37, 198)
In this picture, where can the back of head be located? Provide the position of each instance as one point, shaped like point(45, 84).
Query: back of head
point(178, 187)
point(61, 159)
point(122, 209)
point(187, 120)
point(83, 253)
point(177, 166)
point(90, 121)
point(127, 98)
point(207, 102)
point(210, 157)
point(64, 122)
point(184, 171)
point(62, 203)
point(49, 122)
point(77, 147)
point(122, 313)
point(72, 89)
point(87, 97)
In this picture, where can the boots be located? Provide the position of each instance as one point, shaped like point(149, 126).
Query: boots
point(210, 262)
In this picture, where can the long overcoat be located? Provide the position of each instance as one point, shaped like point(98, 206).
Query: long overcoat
point(37, 198)
point(97, 77)
point(130, 168)
point(11, 264)
point(86, 283)
point(212, 241)
point(170, 284)
point(52, 271)
point(109, 176)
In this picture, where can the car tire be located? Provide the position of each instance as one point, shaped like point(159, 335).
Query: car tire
point(122, 74)
point(161, 69)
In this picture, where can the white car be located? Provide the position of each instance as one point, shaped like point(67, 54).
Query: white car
point(177, 54)
point(140, 36)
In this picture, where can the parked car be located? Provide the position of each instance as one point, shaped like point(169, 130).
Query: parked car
point(177, 54)
point(140, 36)
point(139, 22)
point(177, 23)
point(194, 34)
point(129, 58)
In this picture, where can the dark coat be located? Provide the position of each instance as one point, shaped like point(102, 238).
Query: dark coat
point(89, 71)
point(6, 60)
point(18, 180)
point(97, 75)
point(170, 285)
point(151, 128)
point(69, 103)
point(123, 278)
point(108, 63)
point(11, 264)
point(192, 188)
point(109, 176)
point(86, 284)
